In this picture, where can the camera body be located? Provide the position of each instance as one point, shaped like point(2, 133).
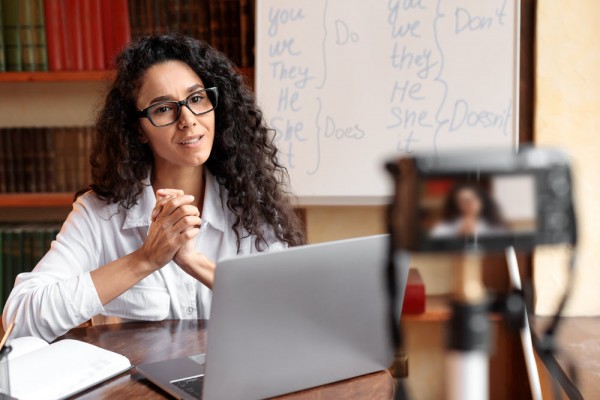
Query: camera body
point(487, 200)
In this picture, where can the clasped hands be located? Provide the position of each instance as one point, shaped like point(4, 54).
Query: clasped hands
point(172, 236)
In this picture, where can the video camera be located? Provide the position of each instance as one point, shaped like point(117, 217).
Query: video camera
point(486, 200)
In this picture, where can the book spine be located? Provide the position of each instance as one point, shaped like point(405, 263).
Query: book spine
point(97, 35)
point(3, 293)
point(17, 142)
point(67, 43)
point(70, 159)
point(3, 151)
point(89, 135)
point(122, 28)
point(54, 35)
point(28, 150)
point(81, 157)
point(156, 16)
point(2, 48)
point(7, 244)
point(39, 36)
point(173, 8)
point(186, 14)
point(26, 32)
point(108, 33)
point(38, 158)
point(39, 248)
point(134, 18)
point(74, 34)
point(12, 36)
point(245, 33)
point(9, 161)
point(86, 35)
point(60, 157)
point(17, 254)
point(49, 159)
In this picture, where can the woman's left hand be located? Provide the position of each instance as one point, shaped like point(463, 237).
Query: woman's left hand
point(187, 258)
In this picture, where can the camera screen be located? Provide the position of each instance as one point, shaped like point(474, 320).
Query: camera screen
point(491, 206)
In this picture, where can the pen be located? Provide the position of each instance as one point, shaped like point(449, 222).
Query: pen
point(7, 334)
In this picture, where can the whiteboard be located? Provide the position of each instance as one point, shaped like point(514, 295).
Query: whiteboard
point(350, 84)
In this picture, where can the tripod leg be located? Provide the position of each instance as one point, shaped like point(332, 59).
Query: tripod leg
point(532, 371)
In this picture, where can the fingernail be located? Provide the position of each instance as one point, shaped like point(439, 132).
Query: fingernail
point(190, 197)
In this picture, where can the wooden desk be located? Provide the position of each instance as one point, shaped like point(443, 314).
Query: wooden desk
point(579, 340)
point(154, 341)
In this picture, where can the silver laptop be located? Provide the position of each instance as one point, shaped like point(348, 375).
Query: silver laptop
point(290, 320)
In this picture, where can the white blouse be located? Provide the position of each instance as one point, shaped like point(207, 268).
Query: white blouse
point(59, 293)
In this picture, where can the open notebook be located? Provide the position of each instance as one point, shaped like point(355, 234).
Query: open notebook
point(39, 370)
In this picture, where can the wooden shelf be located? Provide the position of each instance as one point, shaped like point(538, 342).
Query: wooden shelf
point(59, 76)
point(437, 309)
point(77, 76)
point(36, 199)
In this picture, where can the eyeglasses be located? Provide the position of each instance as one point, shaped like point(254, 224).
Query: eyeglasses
point(168, 112)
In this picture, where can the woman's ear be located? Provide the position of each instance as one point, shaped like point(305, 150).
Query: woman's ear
point(142, 136)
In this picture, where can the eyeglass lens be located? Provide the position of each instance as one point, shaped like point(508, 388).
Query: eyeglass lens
point(167, 112)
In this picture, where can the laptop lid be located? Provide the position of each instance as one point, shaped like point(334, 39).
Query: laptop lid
point(299, 318)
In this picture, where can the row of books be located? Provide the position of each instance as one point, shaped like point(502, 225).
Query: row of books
point(62, 35)
point(76, 35)
point(45, 159)
point(22, 246)
point(227, 24)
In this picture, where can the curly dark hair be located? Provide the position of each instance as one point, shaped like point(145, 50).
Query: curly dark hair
point(490, 211)
point(243, 157)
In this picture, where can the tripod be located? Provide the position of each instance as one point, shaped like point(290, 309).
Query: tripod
point(469, 338)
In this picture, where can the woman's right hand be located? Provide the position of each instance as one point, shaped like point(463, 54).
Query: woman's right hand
point(174, 222)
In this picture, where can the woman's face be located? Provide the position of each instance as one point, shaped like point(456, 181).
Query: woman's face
point(188, 142)
point(469, 203)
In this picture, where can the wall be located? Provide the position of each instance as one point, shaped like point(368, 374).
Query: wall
point(568, 115)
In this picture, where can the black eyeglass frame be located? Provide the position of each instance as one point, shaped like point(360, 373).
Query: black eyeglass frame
point(145, 113)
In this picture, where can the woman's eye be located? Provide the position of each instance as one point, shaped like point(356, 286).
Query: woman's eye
point(162, 109)
point(197, 98)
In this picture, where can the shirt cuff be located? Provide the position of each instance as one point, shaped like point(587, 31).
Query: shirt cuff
point(86, 302)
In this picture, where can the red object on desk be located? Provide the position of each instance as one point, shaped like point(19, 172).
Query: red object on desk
point(414, 296)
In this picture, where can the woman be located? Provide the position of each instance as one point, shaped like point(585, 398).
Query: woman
point(184, 173)
point(469, 211)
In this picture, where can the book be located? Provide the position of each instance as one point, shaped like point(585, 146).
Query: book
point(7, 244)
point(115, 28)
point(39, 36)
point(87, 40)
point(18, 159)
point(54, 34)
point(3, 188)
point(414, 295)
point(60, 156)
point(26, 35)
point(2, 50)
point(12, 35)
point(74, 38)
point(60, 369)
point(48, 159)
point(9, 170)
point(97, 35)
point(29, 155)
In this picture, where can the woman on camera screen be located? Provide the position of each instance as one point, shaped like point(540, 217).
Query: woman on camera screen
point(469, 210)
